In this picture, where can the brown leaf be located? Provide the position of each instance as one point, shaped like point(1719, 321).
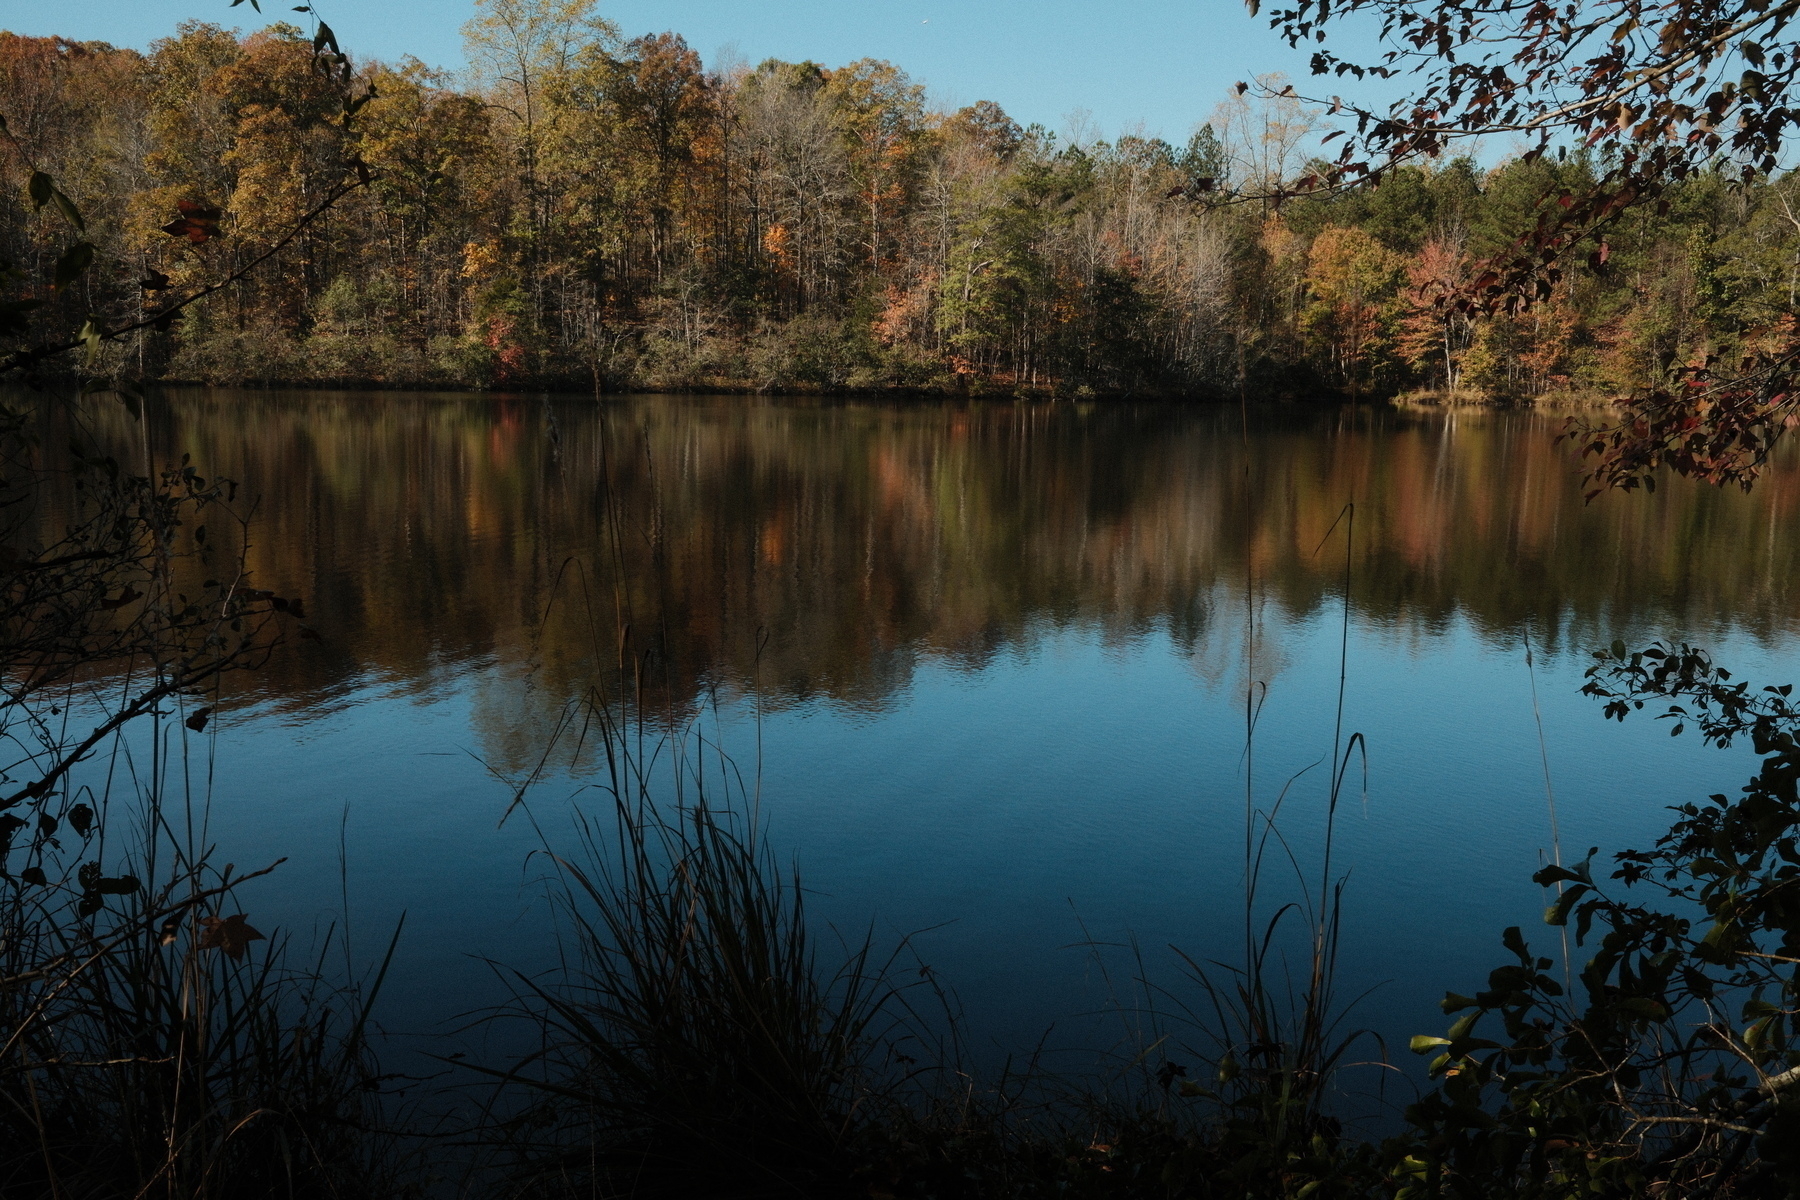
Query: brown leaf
point(197, 222)
point(193, 231)
point(229, 934)
point(125, 597)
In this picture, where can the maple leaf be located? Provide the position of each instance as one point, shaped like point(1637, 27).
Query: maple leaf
point(230, 934)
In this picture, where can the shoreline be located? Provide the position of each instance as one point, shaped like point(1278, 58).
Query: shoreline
point(1551, 402)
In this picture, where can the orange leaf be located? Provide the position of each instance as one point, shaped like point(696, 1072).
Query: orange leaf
point(197, 223)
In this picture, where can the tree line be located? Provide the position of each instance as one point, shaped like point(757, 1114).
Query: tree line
point(587, 210)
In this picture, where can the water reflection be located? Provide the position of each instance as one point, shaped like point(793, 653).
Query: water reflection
point(819, 551)
point(853, 563)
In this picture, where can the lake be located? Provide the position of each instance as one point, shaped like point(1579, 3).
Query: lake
point(985, 664)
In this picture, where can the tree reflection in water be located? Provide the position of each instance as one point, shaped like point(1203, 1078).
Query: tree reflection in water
point(430, 534)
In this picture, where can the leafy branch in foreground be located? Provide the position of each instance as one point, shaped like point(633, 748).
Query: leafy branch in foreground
point(1671, 1066)
point(1658, 91)
point(1703, 692)
point(1643, 83)
point(196, 225)
point(144, 1050)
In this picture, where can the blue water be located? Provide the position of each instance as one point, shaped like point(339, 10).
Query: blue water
point(1080, 780)
point(1120, 816)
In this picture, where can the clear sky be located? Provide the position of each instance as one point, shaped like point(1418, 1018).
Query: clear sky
point(1156, 64)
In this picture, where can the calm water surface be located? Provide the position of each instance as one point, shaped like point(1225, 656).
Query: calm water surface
point(990, 659)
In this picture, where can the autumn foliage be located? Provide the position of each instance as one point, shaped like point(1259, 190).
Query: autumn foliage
point(598, 210)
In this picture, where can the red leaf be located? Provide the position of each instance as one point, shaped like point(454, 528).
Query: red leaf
point(197, 222)
point(193, 231)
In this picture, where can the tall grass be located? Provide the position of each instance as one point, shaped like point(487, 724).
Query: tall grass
point(147, 1058)
point(698, 1039)
point(1275, 1039)
point(153, 1042)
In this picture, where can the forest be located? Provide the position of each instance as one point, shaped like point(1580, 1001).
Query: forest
point(587, 211)
point(282, 670)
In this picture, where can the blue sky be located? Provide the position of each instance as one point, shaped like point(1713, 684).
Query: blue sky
point(1158, 64)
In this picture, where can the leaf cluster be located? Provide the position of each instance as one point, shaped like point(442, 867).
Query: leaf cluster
point(1668, 1060)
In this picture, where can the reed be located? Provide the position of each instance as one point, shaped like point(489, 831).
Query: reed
point(1275, 1040)
point(153, 1043)
point(149, 1056)
point(699, 1039)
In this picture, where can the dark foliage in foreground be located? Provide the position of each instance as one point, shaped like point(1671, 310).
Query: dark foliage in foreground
point(696, 1043)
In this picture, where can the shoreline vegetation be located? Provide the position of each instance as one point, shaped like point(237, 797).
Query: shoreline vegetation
point(1549, 402)
point(586, 211)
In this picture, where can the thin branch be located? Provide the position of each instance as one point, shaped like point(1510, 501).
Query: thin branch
point(20, 359)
